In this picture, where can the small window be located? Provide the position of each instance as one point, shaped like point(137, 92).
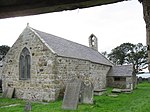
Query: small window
point(24, 64)
point(117, 78)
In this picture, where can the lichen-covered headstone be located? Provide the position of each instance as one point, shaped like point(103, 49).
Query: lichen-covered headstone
point(8, 93)
point(71, 96)
point(87, 92)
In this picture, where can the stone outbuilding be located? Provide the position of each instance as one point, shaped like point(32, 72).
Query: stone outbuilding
point(122, 77)
point(39, 65)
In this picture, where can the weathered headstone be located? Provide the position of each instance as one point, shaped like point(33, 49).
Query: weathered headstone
point(8, 93)
point(71, 96)
point(149, 80)
point(140, 79)
point(4, 93)
point(87, 93)
point(28, 107)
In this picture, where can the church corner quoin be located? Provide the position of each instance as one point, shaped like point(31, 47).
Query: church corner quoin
point(39, 65)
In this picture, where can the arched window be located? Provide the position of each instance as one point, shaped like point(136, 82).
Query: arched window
point(24, 64)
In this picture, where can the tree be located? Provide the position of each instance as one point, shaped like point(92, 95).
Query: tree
point(104, 53)
point(118, 54)
point(138, 57)
point(128, 53)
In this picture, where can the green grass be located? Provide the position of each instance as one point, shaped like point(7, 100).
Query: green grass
point(138, 101)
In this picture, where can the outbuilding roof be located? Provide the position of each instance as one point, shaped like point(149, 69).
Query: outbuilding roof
point(122, 70)
point(67, 48)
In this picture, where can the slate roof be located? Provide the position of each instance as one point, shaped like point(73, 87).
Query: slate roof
point(66, 48)
point(122, 70)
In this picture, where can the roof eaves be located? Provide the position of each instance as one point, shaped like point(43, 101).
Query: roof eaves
point(84, 60)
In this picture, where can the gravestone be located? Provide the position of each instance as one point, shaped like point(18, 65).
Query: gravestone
point(28, 107)
point(8, 93)
point(87, 93)
point(140, 79)
point(149, 80)
point(4, 93)
point(71, 96)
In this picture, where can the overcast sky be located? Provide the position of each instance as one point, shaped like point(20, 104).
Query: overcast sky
point(113, 25)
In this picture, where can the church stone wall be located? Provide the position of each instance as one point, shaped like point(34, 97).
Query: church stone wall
point(99, 72)
point(69, 68)
point(41, 86)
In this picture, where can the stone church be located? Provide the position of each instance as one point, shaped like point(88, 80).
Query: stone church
point(39, 65)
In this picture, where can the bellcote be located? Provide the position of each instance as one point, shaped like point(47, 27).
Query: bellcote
point(93, 42)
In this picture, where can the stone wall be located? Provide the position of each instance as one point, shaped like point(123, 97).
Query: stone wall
point(129, 83)
point(99, 72)
point(69, 68)
point(116, 84)
point(125, 82)
point(41, 86)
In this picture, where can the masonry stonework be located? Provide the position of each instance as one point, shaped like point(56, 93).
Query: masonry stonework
point(41, 86)
point(69, 68)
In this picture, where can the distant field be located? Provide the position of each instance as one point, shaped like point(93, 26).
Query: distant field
point(138, 101)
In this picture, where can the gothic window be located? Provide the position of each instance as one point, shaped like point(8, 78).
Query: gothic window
point(24, 64)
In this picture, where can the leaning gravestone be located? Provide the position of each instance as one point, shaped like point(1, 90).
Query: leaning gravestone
point(149, 80)
point(87, 92)
point(8, 93)
point(71, 96)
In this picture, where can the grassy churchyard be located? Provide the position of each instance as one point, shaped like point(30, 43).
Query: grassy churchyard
point(138, 101)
